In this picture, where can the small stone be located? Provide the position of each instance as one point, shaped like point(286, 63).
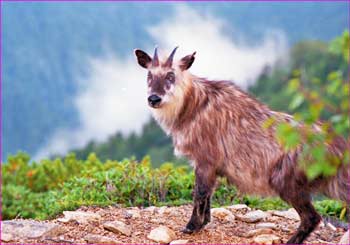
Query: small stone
point(91, 238)
point(237, 207)
point(80, 241)
point(331, 227)
point(79, 216)
point(21, 230)
point(151, 209)
point(253, 216)
point(179, 242)
point(267, 239)
point(157, 221)
point(273, 219)
point(345, 238)
point(163, 210)
point(321, 225)
point(257, 232)
point(173, 211)
point(286, 229)
point(289, 214)
point(229, 218)
point(127, 215)
point(266, 225)
point(28, 229)
point(6, 237)
point(162, 234)
point(133, 214)
point(322, 242)
point(118, 227)
point(222, 214)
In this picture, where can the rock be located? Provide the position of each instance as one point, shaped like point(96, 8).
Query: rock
point(28, 229)
point(237, 207)
point(6, 237)
point(345, 238)
point(266, 225)
point(79, 216)
point(256, 232)
point(162, 234)
point(211, 226)
point(133, 213)
point(267, 239)
point(289, 214)
point(222, 214)
point(118, 227)
point(321, 225)
point(91, 238)
point(179, 242)
point(163, 210)
point(287, 229)
point(320, 241)
point(155, 221)
point(173, 211)
point(151, 209)
point(274, 219)
point(331, 227)
point(253, 216)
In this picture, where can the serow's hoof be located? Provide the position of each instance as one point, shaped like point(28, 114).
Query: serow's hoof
point(187, 231)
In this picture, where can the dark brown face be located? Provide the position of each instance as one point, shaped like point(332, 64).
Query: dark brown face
point(161, 78)
point(159, 84)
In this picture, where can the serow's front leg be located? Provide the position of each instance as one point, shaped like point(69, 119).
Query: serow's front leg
point(205, 182)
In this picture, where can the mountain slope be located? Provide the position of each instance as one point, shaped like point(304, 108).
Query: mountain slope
point(45, 46)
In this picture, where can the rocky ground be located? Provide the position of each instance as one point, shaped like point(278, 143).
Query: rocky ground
point(229, 225)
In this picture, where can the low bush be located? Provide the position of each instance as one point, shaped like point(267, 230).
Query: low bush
point(43, 190)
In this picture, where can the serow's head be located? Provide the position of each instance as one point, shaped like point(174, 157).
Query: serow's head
point(163, 77)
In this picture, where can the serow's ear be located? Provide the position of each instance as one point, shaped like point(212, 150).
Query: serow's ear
point(143, 58)
point(187, 61)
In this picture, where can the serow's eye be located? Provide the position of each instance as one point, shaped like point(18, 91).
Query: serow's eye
point(170, 77)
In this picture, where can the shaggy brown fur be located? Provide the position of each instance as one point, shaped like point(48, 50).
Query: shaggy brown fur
point(220, 129)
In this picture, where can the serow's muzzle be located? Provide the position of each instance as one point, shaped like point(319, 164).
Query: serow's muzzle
point(154, 100)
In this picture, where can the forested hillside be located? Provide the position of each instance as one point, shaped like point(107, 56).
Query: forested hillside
point(45, 46)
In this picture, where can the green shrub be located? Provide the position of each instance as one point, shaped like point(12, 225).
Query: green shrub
point(19, 201)
point(43, 190)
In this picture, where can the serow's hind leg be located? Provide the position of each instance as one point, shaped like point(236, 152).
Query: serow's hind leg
point(292, 187)
point(309, 219)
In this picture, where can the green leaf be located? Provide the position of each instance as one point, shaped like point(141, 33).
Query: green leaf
point(315, 111)
point(293, 85)
point(313, 171)
point(334, 75)
point(334, 85)
point(297, 100)
point(318, 153)
point(288, 136)
point(342, 213)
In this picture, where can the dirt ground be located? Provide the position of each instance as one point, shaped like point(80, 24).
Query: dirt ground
point(216, 231)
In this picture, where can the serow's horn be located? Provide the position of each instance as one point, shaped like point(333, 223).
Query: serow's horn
point(155, 60)
point(169, 61)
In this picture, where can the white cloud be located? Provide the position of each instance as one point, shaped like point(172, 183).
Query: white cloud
point(112, 98)
point(218, 56)
point(114, 95)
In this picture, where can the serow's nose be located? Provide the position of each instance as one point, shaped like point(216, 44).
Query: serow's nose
point(154, 100)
